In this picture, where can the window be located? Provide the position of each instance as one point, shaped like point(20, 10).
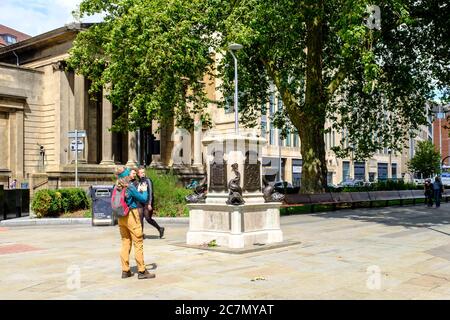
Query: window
point(345, 170)
point(382, 171)
point(272, 134)
point(360, 170)
point(263, 127)
point(272, 104)
point(333, 140)
point(9, 39)
point(329, 177)
point(288, 139)
point(394, 171)
point(296, 140)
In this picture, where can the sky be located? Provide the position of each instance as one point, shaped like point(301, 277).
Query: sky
point(34, 17)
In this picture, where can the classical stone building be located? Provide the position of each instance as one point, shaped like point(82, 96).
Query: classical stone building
point(41, 101)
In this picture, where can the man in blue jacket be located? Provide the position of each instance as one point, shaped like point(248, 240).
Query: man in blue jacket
point(438, 189)
point(131, 229)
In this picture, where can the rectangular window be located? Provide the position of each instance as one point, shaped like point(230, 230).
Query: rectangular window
point(360, 170)
point(329, 177)
point(296, 140)
point(345, 170)
point(272, 104)
point(334, 141)
point(272, 135)
point(288, 139)
point(382, 171)
point(263, 127)
point(394, 171)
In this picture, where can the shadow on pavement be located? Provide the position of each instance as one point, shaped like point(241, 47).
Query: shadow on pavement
point(409, 217)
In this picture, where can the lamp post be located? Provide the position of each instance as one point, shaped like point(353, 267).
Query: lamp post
point(235, 47)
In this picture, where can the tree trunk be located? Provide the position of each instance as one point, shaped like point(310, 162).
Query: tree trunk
point(314, 171)
point(311, 125)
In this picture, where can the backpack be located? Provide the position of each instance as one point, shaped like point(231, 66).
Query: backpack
point(118, 204)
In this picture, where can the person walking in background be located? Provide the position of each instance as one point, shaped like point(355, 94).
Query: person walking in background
point(13, 184)
point(146, 208)
point(130, 227)
point(428, 187)
point(438, 189)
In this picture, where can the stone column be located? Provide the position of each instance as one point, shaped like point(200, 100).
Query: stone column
point(62, 116)
point(106, 134)
point(19, 145)
point(16, 144)
point(132, 151)
point(81, 112)
point(197, 141)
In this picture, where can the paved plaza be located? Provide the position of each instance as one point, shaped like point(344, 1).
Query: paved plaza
point(384, 253)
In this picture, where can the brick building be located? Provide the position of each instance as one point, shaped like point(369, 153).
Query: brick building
point(10, 36)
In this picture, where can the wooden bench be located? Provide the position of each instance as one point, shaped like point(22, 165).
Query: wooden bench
point(352, 198)
point(384, 196)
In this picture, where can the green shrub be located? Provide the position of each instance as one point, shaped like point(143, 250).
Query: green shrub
point(48, 202)
point(169, 194)
point(41, 203)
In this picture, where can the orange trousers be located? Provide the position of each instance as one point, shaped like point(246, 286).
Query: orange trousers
point(131, 232)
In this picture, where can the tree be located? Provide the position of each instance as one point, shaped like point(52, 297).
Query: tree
point(426, 161)
point(323, 60)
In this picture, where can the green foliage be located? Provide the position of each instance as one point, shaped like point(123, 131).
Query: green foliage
point(169, 194)
point(371, 83)
point(49, 202)
point(426, 160)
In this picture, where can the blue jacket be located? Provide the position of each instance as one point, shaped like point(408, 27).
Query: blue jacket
point(133, 196)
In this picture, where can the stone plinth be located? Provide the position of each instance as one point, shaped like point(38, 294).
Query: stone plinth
point(222, 151)
point(234, 176)
point(234, 226)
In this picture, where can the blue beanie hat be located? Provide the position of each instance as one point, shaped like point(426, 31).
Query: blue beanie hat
point(125, 173)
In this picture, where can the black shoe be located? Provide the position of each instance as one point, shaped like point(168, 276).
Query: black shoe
point(161, 232)
point(126, 274)
point(146, 275)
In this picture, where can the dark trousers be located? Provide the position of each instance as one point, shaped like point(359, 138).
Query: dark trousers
point(437, 198)
point(429, 199)
point(145, 213)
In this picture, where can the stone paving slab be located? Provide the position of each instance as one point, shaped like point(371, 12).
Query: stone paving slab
point(347, 254)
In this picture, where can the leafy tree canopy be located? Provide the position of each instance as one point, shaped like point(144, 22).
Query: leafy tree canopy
point(426, 161)
point(320, 57)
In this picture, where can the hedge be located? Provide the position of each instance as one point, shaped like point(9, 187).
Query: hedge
point(169, 194)
point(48, 203)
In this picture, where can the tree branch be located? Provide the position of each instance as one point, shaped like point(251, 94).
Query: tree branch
point(337, 80)
point(288, 98)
